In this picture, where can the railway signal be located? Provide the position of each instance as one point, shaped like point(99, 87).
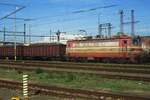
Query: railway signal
point(58, 35)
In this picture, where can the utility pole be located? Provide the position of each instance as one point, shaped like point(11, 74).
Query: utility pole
point(29, 34)
point(132, 23)
point(109, 29)
point(17, 9)
point(106, 27)
point(99, 29)
point(24, 33)
point(15, 57)
point(58, 35)
point(4, 39)
point(121, 22)
point(50, 33)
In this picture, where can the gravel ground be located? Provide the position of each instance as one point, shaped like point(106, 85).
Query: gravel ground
point(6, 94)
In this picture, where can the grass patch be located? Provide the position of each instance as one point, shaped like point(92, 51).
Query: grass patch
point(78, 80)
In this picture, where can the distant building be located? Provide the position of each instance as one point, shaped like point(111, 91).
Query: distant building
point(64, 37)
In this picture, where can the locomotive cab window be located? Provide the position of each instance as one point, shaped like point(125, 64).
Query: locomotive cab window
point(125, 41)
point(68, 45)
point(124, 45)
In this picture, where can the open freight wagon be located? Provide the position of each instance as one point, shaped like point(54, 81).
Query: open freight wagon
point(49, 51)
point(7, 51)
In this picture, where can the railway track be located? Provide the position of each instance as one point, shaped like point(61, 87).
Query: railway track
point(82, 67)
point(74, 93)
point(138, 66)
point(108, 72)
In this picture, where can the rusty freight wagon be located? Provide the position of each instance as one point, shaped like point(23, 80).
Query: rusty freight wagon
point(51, 51)
point(7, 51)
point(116, 48)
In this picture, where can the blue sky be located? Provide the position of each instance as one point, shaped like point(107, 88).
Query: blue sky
point(56, 14)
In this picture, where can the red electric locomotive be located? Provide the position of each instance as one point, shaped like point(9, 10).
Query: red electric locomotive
point(117, 48)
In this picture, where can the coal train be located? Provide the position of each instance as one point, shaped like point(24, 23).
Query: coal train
point(117, 48)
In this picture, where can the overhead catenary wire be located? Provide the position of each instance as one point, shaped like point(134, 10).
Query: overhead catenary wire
point(73, 12)
point(57, 21)
point(8, 4)
point(60, 20)
point(76, 12)
point(15, 11)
